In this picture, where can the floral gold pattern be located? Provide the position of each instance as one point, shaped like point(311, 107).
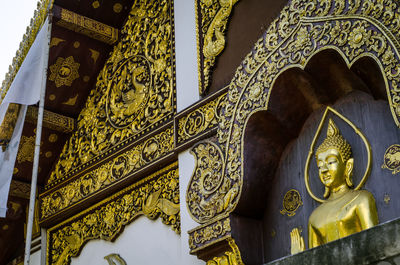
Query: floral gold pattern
point(124, 105)
point(64, 71)
point(157, 196)
point(202, 236)
point(117, 168)
point(26, 150)
point(8, 124)
point(199, 120)
point(209, 194)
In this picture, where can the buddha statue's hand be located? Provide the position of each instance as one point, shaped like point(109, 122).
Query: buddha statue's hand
point(297, 241)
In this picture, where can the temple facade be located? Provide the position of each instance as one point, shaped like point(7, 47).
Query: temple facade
point(211, 132)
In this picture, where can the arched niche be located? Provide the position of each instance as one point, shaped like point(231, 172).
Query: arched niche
point(295, 95)
point(277, 141)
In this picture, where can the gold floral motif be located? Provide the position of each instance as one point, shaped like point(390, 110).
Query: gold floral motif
point(212, 20)
point(209, 194)
point(124, 105)
point(352, 28)
point(199, 120)
point(87, 26)
point(391, 159)
point(157, 196)
point(32, 30)
point(64, 71)
point(202, 236)
point(26, 150)
point(123, 165)
point(232, 257)
point(8, 124)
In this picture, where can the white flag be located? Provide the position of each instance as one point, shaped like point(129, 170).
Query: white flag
point(24, 90)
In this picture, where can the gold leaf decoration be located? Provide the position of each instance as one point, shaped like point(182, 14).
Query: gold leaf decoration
point(108, 173)
point(213, 16)
point(134, 91)
point(64, 71)
point(106, 219)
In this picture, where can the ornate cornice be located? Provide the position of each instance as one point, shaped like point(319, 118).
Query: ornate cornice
point(156, 196)
point(51, 120)
point(138, 155)
point(209, 234)
point(86, 26)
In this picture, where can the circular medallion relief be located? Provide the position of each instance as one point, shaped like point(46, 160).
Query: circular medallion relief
point(291, 202)
point(128, 91)
point(391, 159)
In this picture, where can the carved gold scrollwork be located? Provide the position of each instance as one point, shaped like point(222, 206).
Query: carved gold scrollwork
point(134, 91)
point(214, 15)
point(209, 194)
point(128, 92)
point(232, 257)
point(199, 120)
point(117, 168)
point(354, 29)
point(155, 197)
point(202, 236)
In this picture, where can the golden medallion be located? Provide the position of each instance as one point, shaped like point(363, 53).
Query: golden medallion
point(128, 91)
point(64, 71)
point(391, 159)
point(291, 202)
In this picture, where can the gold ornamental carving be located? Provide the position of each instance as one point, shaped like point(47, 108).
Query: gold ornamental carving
point(52, 121)
point(231, 257)
point(138, 156)
point(291, 202)
point(26, 150)
point(64, 71)
point(134, 91)
point(156, 196)
point(391, 159)
point(354, 29)
point(199, 120)
point(87, 26)
point(205, 235)
point(209, 193)
point(212, 20)
point(8, 124)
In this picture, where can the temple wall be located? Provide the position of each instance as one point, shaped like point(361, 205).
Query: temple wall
point(186, 54)
point(142, 242)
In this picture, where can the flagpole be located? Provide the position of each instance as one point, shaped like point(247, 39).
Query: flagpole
point(32, 199)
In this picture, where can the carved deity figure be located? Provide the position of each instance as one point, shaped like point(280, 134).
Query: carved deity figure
point(345, 211)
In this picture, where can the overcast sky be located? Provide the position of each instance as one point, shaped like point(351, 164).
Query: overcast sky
point(15, 16)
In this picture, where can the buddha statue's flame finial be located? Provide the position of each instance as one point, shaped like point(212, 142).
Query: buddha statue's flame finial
point(335, 140)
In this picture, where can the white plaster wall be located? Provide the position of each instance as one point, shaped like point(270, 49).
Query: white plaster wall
point(186, 167)
point(186, 54)
point(143, 242)
point(35, 258)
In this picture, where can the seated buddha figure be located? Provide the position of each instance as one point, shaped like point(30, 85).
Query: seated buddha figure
point(345, 211)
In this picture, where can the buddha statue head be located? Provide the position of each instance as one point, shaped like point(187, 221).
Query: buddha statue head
point(334, 161)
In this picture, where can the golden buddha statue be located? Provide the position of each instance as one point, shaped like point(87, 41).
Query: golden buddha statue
point(345, 211)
